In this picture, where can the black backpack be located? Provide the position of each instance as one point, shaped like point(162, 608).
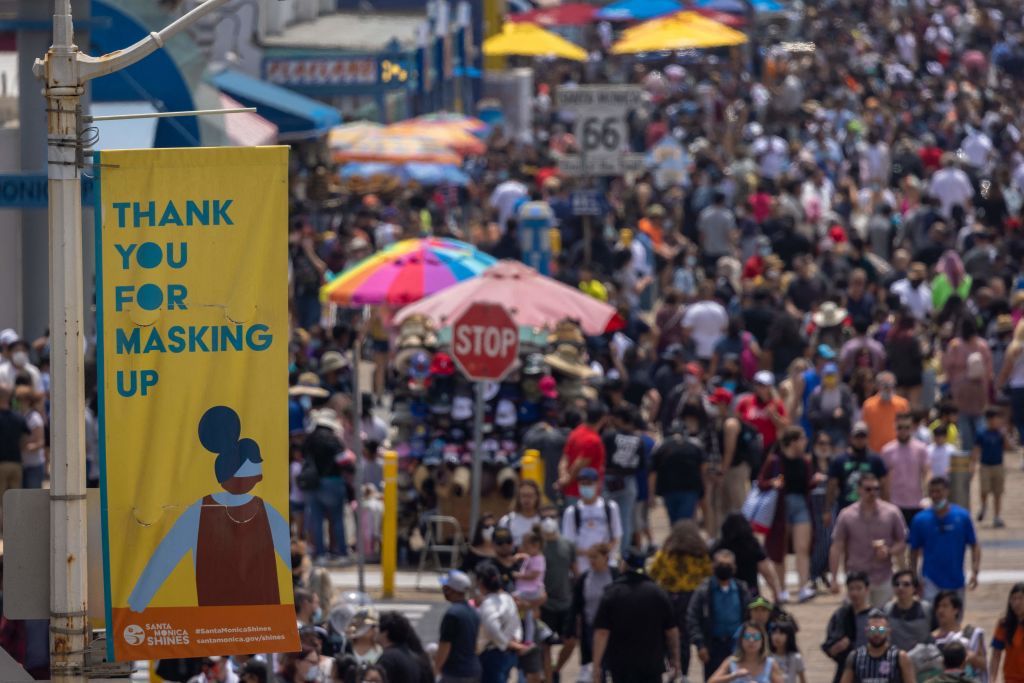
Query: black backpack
point(750, 448)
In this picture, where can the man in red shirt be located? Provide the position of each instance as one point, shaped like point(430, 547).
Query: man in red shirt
point(583, 448)
point(762, 410)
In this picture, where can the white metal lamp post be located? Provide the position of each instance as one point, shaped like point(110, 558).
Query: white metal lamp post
point(65, 71)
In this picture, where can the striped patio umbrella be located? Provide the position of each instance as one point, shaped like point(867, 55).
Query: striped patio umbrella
point(397, 148)
point(406, 271)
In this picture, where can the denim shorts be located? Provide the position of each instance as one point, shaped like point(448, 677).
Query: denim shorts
point(796, 509)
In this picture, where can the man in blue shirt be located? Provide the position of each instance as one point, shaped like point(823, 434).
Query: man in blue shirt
point(941, 535)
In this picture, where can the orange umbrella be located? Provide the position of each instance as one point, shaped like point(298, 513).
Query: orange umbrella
point(452, 137)
point(397, 149)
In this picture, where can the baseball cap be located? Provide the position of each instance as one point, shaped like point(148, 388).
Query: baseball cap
point(364, 620)
point(765, 378)
point(759, 601)
point(548, 387)
point(587, 474)
point(860, 427)
point(720, 397)
point(830, 369)
point(456, 581)
point(501, 536)
point(635, 558)
point(826, 351)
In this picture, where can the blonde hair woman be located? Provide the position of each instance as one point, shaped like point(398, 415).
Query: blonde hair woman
point(791, 389)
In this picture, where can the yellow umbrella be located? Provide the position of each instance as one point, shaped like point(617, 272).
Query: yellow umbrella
point(530, 40)
point(681, 31)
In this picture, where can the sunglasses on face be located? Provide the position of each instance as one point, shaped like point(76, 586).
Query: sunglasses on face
point(752, 637)
point(880, 630)
point(503, 543)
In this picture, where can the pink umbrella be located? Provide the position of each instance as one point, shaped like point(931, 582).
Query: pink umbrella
point(533, 300)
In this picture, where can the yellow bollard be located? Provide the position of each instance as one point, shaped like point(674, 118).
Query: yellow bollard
point(532, 468)
point(389, 525)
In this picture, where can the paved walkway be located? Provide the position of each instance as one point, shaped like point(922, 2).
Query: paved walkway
point(1002, 566)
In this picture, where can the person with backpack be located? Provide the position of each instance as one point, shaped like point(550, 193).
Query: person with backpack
point(678, 469)
point(842, 636)
point(742, 454)
point(591, 519)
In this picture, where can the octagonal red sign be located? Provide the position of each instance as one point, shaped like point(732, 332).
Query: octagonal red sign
point(485, 342)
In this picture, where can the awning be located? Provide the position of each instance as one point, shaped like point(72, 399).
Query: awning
point(125, 133)
point(247, 130)
point(296, 116)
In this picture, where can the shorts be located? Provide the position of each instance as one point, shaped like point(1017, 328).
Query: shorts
point(560, 621)
point(909, 514)
point(532, 662)
point(796, 509)
point(379, 345)
point(993, 479)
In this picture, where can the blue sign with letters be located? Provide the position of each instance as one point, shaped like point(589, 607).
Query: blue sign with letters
point(29, 191)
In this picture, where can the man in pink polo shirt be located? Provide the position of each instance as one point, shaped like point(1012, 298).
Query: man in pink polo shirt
point(867, 536)
point(906, 458)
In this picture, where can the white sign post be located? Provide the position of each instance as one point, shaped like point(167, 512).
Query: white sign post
point(602, 132)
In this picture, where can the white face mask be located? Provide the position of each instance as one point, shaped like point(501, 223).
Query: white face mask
point(587, 492)
point(549, 526)
point(487, 533)
point(19, 359)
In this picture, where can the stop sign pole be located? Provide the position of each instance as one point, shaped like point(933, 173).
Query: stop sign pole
point(485, 345)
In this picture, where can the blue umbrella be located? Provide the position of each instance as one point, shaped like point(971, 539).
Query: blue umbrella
point(435, 174)
point(367, 169)
point(740, 6)
point(638, 10)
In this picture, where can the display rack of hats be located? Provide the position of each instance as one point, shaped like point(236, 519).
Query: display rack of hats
point(432, 411)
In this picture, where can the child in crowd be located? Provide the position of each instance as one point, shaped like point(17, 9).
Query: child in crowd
point(940, 452)
point(989, 448)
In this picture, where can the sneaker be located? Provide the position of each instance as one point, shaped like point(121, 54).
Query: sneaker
point(981, 514)
point(997, 523)
point(807, 593)
point(783, 597)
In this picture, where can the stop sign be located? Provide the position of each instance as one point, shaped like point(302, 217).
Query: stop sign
point(485, 342)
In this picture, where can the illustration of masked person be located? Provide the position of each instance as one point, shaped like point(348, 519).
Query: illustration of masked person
point(235, 537)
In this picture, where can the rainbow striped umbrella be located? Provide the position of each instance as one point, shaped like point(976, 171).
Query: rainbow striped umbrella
point(406, 271)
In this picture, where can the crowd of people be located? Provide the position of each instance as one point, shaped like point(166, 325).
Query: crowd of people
point(822, 341)
point(821, 350)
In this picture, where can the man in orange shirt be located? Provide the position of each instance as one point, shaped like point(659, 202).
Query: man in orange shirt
point(880, 412)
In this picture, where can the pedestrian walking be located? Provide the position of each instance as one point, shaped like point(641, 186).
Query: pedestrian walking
point(878, 661)
point(939, 542)
point(909, 617)
point(591, 519)
point(678, 471)
point(455, 660)
point(501, 629)
point(949, 615)
point(845, 631)
point(906, 461)
point(679, 567)
point(716, 611)
point(1008, 640)
point(869, 536)
point(790, 471)
point(636, 637)
point(751, 661)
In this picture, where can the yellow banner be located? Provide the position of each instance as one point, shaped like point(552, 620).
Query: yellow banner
point(192, 309)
